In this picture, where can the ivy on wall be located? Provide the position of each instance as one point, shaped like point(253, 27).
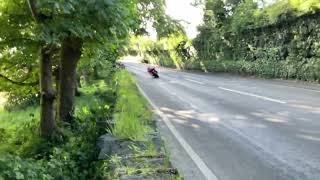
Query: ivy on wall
point(273, 42)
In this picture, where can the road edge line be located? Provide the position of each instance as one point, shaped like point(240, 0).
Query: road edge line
point(195, 81)
point(193, 155)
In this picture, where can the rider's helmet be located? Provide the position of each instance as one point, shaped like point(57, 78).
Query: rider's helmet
point(150, 68)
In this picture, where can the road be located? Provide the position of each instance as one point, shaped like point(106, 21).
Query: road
point(229, 127)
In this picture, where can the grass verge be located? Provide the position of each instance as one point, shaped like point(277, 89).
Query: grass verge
point(147, 157)
point(132, 113)
point(23, 155)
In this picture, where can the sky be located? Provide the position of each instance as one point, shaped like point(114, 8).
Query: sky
point(183, 10)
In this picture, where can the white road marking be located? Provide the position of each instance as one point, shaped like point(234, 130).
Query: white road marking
point(173, 81)
point(193, 155)
point(191, 77)
point(253, 95)
point(195, 81)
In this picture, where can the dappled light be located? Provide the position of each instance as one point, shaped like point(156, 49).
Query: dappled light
point(306, 108)
point(270, 117)
point(3, 99)
point(240, 117)
point(192, 118)
point(184, 116)
point(309, 137)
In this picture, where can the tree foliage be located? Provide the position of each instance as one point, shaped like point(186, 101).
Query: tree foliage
point(270, 40)
point(67, 39)
point(18, 51)
point(172, 51)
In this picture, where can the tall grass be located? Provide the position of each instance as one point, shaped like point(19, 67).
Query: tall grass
point(95, 107)
point(132, 114)
point(18, 130)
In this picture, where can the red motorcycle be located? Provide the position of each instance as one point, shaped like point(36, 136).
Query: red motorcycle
point(153, 72)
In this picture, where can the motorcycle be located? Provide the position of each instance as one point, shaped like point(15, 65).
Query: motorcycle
point(153, 72)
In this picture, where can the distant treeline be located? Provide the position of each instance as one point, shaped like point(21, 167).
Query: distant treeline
point(286, 48)
point(281, 40)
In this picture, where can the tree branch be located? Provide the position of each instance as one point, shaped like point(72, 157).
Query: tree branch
point(21, 83)
point(36, 15)
point(33, 9)
point(19, 39)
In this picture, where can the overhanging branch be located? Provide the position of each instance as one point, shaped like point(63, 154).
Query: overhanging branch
point(20, 83)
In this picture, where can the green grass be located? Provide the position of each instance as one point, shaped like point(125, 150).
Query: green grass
point(23, 155)
point(13, 119)
point(132, 113)
point(17, 130)
point(86, 105)
point(132, 121)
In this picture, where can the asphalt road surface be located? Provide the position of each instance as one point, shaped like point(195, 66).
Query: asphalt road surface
point(229, 127)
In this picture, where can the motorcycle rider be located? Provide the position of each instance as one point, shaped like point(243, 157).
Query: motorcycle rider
point(151, 69)
point(153, 72)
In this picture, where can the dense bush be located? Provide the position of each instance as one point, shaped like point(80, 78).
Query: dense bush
point(280, 40)
point(23, 155)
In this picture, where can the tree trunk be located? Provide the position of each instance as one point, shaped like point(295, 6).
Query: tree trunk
point(56, 74)
point(78, 85)
point(79, 81)
point(70, 55)
point(47, 120)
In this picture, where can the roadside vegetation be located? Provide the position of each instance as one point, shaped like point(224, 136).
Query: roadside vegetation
point(174, 51)
point(132, 114)
point(142, 153)
point(270, 40)
point(24, 155)
point(74, 155)
point(59, 85)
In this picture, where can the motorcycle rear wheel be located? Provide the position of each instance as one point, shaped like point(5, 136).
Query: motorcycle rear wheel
point(156, 76)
